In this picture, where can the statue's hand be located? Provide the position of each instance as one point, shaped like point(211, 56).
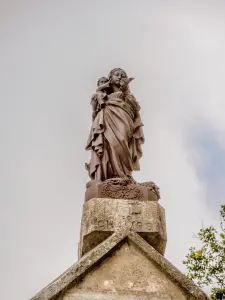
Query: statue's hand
point(124, 83)
point(110, 82)
point(130, 79)
point(107, 84)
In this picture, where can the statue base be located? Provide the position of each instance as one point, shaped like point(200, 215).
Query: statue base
point(122, 188)
point(121, 249)
point(102, 217)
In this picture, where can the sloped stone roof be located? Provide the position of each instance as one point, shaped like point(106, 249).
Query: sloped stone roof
point(100, 253)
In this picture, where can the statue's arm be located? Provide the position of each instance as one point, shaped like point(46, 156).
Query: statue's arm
point(103, 87)
point(124, 85)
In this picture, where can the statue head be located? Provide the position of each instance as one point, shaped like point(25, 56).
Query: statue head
point(116, 75)
point(102, 80)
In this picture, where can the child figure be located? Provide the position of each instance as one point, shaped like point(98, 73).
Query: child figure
point(100, 96)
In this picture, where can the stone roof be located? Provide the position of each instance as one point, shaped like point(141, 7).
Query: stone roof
point(102, 252)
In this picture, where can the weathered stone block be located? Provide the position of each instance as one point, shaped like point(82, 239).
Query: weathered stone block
point(101, 217)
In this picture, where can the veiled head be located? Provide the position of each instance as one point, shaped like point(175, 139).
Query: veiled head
point(116, 75)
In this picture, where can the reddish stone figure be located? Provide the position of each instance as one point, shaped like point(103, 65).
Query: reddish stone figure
point(116, 134)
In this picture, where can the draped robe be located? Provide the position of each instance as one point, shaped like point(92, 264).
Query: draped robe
point(115, 138)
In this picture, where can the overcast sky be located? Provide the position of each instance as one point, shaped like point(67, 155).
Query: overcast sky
point(51, 54)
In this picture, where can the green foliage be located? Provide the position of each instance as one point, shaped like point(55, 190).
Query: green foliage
point(206, 266)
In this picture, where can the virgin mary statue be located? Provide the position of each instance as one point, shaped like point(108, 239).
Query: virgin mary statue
point(116, 134)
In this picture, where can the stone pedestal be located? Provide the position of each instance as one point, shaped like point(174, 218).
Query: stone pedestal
point(121, 257)
point(104, 216)
point(122, 188)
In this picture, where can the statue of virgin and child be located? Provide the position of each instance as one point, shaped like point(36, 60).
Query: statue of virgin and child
point(116, 133)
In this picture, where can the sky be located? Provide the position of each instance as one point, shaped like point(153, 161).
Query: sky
point(52, 53)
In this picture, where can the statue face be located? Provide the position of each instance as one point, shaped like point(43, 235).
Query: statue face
point(117, 76)
point(102, 80)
